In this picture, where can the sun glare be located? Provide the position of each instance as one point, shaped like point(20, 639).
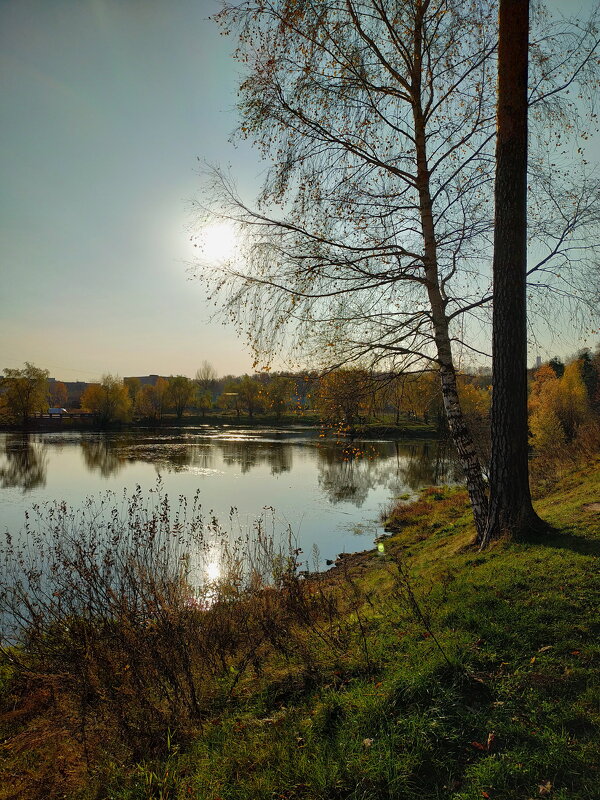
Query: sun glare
point(213, 571)
point(217, 241)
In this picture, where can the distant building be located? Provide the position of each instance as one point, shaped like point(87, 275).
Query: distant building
point(145, 380)
point(538, 362)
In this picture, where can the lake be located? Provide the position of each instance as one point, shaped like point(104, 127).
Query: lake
point(330, 493)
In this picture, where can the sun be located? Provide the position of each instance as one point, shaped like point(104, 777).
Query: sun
point(217, 242)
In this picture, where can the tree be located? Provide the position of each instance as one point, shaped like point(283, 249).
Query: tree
point(381, 123)
point(511, 510)
point(109, 400)
point(278, 394)
point(58, 394)
point(203, 400)
point(25, 391)
point(557, 366)
point(572, 399)
point(206, 377)
point(559, 407)
point(134, 386)
point(249, 394)
point(590, 375)
point(181, 391)
point(153, 401)
point(342, 397)
point(230, 397)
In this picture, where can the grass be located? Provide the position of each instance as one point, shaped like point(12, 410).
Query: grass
point(427, 671)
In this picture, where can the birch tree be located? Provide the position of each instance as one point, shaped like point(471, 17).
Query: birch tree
point(370, 243)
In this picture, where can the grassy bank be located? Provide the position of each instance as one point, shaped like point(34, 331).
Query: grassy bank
point(421, 670)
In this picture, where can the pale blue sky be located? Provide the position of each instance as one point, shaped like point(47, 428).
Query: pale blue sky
point(105, 106)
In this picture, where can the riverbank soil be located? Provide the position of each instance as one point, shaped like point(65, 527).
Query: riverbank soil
point(420, 670)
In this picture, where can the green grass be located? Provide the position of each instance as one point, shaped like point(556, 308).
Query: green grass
point(468, 675)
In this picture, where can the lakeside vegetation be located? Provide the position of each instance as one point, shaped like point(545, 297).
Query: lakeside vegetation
point(421, 669)
point(355, 401)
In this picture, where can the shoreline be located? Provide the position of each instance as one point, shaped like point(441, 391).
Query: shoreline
point(373, 431)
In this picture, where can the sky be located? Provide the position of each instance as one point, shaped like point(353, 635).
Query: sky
point(105, 108)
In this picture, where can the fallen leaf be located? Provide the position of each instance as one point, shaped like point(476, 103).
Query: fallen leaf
point(545, 788)
point(478, 745)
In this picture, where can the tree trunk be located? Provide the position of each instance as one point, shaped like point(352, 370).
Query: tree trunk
point(459, 430)
point(510, 499)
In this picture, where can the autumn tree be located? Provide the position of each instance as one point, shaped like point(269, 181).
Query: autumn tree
point(249, 394)
point(154, 400)
point(25, 391)
point(181, 391)
point(420, 394)
point(558, 408)
point(278, 394)
point(58, 394)
point(230, 397)
point(342, 397)
point(203, 400)
point(134, 386)
point(370, 242)
point(109, 400)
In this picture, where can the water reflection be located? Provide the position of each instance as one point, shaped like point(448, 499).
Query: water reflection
point(249, 454)
point(109, 454)
point(350, 473)
point(24, 462)
point(346, 472)
point(331, 491)
point(101, 455)
point(426, 464)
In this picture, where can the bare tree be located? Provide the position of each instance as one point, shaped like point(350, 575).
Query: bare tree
point(206, 376)
point(371, 239)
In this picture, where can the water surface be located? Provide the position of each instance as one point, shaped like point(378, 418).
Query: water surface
point(330, 493)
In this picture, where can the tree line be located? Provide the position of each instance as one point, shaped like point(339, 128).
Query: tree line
point(343, 398)
point(562, 398)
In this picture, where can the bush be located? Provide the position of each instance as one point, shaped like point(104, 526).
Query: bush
point(132, 622)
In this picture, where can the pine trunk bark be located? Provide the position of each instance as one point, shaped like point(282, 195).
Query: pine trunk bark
point(510, 509)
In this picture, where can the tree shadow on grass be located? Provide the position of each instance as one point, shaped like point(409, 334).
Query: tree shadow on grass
point(564, 539)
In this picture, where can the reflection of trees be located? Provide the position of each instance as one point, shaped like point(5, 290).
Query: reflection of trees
point(280, 458)
point(348, 473)
point(249, 454)
point(25, 462)
point(102, 455)
point(424, 464)
point(432, 463)
point(111, 453)
point(181, 456)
